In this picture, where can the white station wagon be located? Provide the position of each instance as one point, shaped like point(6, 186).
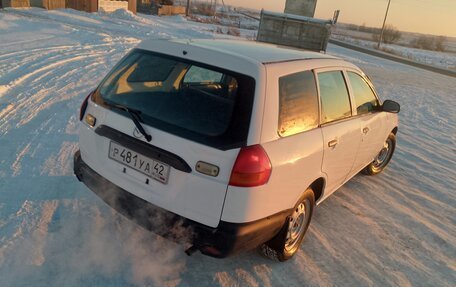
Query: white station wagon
point(235, 140)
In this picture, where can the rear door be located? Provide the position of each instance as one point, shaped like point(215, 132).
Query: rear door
point(198, 117)
point(341, 135)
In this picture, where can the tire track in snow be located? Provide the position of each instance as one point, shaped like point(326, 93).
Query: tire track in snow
point(17, 164)
point(32, 219)
point(51, 75)
point(129, 26)
point(46, 62)
point(60, 164)
point(21, 54)
point(40, 233)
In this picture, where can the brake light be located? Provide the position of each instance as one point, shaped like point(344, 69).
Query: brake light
point(84, 106)
point(252, 167)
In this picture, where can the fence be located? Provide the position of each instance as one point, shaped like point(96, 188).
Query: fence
point(83, 5)
point(171, 10)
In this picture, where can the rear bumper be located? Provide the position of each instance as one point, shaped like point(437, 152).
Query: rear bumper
point(227, 238)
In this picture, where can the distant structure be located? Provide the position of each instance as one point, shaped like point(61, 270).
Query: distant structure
point(297, 27)
point(301, 7)
point(294, 30)
point(83, 5)
point(160, 7)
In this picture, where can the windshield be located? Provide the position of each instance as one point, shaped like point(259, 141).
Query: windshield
point(199, 102)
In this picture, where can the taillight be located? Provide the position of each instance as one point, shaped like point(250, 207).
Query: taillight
point(252, 167)
point(84, 106)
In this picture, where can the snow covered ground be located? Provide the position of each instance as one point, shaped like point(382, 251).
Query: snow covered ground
point(395, 229)
point(446, 60)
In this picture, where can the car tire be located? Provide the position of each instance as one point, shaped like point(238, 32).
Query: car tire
point(383, 157)
point(287, 242)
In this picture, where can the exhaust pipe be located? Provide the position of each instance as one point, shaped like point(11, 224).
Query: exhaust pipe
point(192, 249)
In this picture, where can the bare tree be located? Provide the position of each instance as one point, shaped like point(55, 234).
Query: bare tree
point(390, 35)
point(439, 43)
point(424, 42)
point(429, 43)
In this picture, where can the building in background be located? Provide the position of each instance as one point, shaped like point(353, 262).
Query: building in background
point(301, 7)
point(82, 5)
point(15, 3)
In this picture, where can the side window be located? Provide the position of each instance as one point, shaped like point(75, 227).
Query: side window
point(335, 102)
point(201, 75)
point(148, 69)
point(365, 99)
point(298, 103)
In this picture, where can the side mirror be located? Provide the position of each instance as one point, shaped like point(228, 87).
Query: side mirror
point(391, 106)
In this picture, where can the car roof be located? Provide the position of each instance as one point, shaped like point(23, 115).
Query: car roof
point(253, 50)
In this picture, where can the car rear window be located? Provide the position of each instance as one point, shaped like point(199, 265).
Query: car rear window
point(193, 100)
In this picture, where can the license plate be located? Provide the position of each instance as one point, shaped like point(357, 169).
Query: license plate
point(152, 168)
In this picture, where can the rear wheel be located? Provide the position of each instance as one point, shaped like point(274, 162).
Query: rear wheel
point(383, 157)
point(287, 242)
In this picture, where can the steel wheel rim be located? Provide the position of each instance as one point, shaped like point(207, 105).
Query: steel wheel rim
point(383, 155)
point(296, 226)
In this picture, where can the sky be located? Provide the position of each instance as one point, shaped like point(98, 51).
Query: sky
point(436, 17)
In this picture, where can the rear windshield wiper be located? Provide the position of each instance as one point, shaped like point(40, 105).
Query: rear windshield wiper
point(134, 115)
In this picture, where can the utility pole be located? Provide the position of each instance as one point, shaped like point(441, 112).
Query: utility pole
point(215, 9)
point(383, 27)
point(187, 10)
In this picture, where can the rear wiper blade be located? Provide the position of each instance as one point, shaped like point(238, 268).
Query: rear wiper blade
point(134, 115)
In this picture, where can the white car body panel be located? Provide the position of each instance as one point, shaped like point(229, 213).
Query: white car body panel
point(338, 160)
point(373, 130)
point(294, 160)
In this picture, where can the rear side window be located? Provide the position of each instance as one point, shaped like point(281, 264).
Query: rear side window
point(365, 99)
point(193, 100)
point(298, 103)
point(201, 75)
point(147, 69)
point(335, 102)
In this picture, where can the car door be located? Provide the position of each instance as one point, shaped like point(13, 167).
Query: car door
point(341, 137)
point(371, 120)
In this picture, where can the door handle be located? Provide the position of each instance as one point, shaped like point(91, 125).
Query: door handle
point(365, 130)
point(333, 143)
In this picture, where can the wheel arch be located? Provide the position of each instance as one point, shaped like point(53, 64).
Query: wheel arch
point(394, 131)
point(318, 187)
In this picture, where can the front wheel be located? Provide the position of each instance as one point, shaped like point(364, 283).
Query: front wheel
point(383, 157)
point(286, 243)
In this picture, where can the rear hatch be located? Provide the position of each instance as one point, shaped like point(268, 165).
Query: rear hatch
point(169, 130)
